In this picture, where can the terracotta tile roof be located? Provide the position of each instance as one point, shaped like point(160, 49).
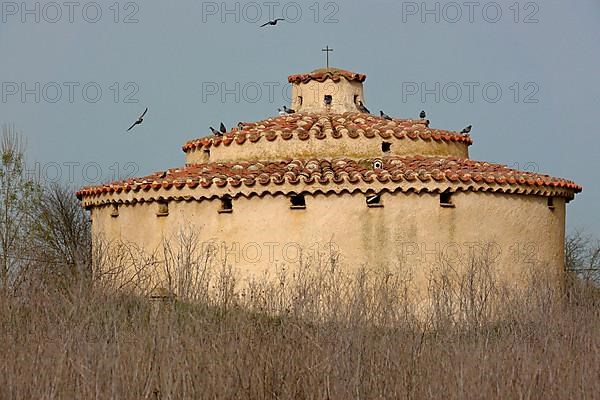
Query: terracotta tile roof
point(321, 126)
point(404, 172)
point(321, 75)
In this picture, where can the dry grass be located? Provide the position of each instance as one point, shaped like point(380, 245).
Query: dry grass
point(315, 334)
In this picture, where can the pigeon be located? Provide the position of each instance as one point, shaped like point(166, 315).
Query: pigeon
point(240, 126)
point(223, 129)
point(328, 100)
point(423, 115)
point(139, 120)
point(288, 110)
point(361, 107)
point(215, 132)
point(162, 175)
point(467, 130)
point(385, 116)
point(272, 22)
point(281, 112)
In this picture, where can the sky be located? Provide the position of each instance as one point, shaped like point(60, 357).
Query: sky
point(75, 75)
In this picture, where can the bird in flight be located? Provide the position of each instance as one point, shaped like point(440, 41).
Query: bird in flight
point(139, 120)
point(272, 22)
point(423, 115)
point(385, 116)
point(289, 110)
point(215, 132)
point(467, 130)
point(361, 107)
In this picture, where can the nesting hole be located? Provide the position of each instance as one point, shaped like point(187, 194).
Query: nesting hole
point(374, 201)
point(163, 209)
point(226, 205)
point(298, 202)
point(386, 147)
point(551, 203)
point(446, 200)
point(115, 211)
point(328, 99)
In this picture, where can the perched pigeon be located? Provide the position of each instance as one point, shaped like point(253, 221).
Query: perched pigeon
point(328, 100)
point(222, 128)
point(467, 130)
point(423, 115)
point(139, 120)
point(385, 116)
point(240, 126)
point(361, 107)
point(272, 22)
point(288, 110)
point(281, 112)
point(215, 132)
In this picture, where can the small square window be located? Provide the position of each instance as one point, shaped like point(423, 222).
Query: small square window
point(551, 203)
point(446, 200)
point(226, 205)
point(163, 209)
point(115, 211)
point(386, 147)
point(328, 99)
point(374, 201)
point(298, 202)
point(300, 100)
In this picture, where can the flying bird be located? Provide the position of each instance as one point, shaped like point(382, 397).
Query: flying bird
point(272, 22)
point(289, 110)
point(385, 116)
point(215, 132)
point(467, 130)
point(139, 120)
point(222, 128)
point(423, 115)
point(361, 107)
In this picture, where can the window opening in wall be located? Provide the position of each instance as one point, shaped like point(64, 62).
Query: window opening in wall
point(386, 147)
point(163, 208)
point(446, 199)
point(115, 211)
point(298, 202)
point(374, 201)
point(226, 205)
point(551, 203)
point(328, 99)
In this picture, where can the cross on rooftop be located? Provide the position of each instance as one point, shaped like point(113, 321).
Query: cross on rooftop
point(327, 50)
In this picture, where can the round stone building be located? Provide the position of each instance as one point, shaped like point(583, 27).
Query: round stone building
point(382, 192)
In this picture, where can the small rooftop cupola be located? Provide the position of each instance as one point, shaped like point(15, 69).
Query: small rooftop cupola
point(327, 90)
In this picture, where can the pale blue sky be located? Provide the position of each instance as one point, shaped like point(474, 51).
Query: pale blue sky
point(177, 48)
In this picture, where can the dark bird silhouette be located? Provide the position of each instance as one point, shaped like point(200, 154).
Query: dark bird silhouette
point(385, 116)
point(272, 22)
point(222, 128)
point(215, 132)
point(139, 120)
point(240, 126)
point(289, 110)
point(423, 115)
point(361, 107)
point(467, 130)
point(281, 112)
point(328, 100)
point(162, 175)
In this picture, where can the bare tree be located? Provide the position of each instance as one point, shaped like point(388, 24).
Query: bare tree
point(582, 255)
point(62, 233)
point(19, 195)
